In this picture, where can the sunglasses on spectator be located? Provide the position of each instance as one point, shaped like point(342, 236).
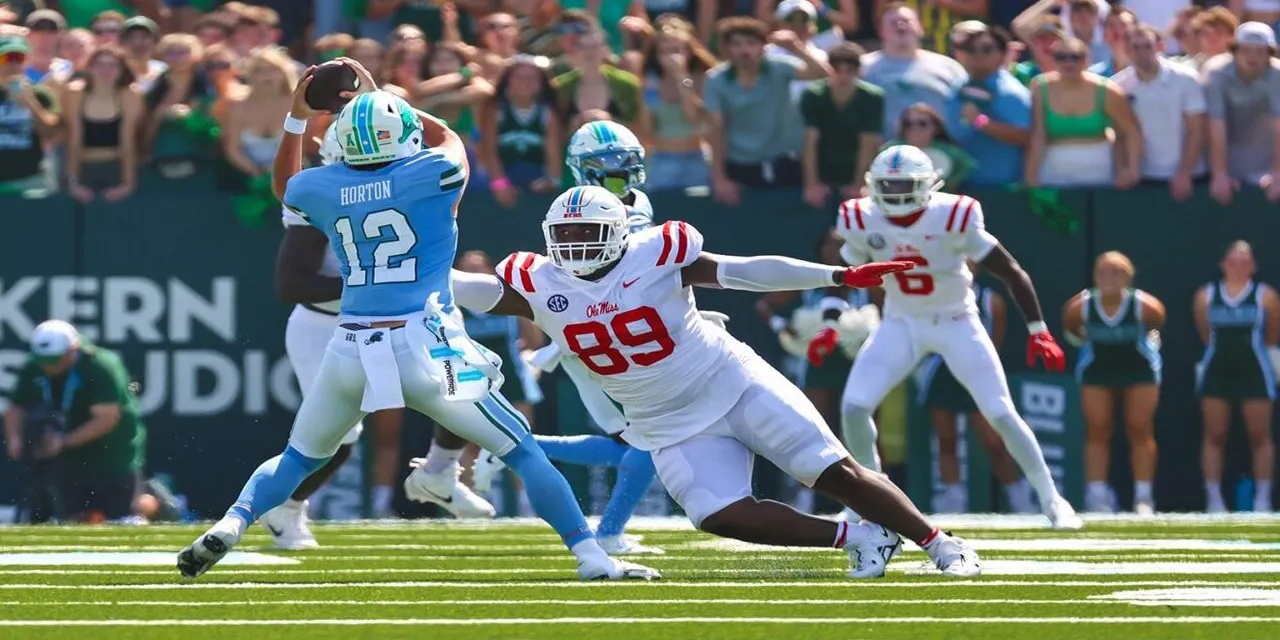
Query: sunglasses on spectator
point(572, 28)
point(797, 17)
point(917, 123)
point(1065, 56)
point(217, 65)
point(13, 57)
point(844, 64)
point(986, 49)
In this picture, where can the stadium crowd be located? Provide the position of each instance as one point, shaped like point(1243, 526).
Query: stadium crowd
point(726, 95)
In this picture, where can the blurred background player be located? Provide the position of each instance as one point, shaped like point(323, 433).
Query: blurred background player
point(932, 309)
point(390, 205)
point(946, 400)
point(1118, 330)
point(1238, 319)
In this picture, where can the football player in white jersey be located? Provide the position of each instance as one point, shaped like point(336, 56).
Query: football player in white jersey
point(604, 154)
point(308, 275)
point(702, 403)
point(931, 309)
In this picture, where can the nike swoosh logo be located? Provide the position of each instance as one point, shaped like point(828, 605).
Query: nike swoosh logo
point(629, 283)
point(274, 531)
point(444, 499)
point(929, 237)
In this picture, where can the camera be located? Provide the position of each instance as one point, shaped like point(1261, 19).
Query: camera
point(39, 422)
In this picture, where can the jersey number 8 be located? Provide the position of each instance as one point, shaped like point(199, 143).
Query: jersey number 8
point(602, 357)
point(389, 250)
point(914, 284)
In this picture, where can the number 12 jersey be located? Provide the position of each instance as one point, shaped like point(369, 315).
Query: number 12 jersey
point(638, 332)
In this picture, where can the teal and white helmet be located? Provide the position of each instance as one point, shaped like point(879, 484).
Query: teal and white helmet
point(378, 127)
point(330, 150)
point(606, 154)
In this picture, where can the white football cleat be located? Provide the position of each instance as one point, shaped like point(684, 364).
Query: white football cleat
point(485, 469)
point(606, 568)
point(287, 524)
point(444, 489)
point(1062, 516)
point(1144, 509)
point(870, 548)
point(199, 556)
point(625, 545)
point(953, 557)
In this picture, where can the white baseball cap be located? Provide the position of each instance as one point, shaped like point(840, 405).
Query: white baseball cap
point(1256, 33)
point(788, 7)
point(53, 339)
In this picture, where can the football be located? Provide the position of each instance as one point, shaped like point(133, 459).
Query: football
point(327, 82)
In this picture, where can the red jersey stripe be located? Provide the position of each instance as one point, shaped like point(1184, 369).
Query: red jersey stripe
point(964, 222)
point(525, 279)
point(951, 219)
point(857, 215)
point(509, 273)
point(682, 242)
point(844, 215)
point(667, 243)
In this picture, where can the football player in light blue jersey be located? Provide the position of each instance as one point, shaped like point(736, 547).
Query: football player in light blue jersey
point(388, 208)
point(609, 155)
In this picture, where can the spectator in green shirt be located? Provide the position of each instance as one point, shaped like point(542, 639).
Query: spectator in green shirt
point(99, 449)
point(841, 116)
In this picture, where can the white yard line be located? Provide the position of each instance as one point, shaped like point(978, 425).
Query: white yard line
point(568, 584)
point(442, 622)
point(771, 601)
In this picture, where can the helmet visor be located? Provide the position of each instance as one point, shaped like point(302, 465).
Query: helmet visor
point(616, 171)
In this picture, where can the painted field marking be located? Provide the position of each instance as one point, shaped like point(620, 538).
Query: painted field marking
point(1197, 597)
point(570, 584)
point(130, 558)
point(585, 603)
point(1043, 544)
point(441, 622)
point(1069, 568)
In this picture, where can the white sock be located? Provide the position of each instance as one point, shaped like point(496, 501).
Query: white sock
point(1213, 490)
point(1142, 492)
point(440, 458)
point(381, 499)
point(1262, 495)
point(232, 525)
point(1025, 451)
point(859, 432)
point(589, 550)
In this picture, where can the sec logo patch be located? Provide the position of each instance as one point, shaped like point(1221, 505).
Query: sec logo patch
point(557, 303)
point(876, 241)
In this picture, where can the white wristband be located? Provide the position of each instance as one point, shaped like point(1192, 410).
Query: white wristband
point(294, 125)
point(778, 323)
point(1036, 327)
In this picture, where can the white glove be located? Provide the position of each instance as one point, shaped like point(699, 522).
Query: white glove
point(527, 357)
point(855, 327)
point(545, 359)
point(715, 317)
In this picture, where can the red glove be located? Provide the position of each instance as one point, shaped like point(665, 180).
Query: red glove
point(872, 274)
point(822, 345)
point(1042, 346)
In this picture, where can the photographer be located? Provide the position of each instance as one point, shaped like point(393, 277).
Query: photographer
point(75, 424)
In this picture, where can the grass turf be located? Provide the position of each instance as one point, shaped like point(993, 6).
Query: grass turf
point(1130, 579)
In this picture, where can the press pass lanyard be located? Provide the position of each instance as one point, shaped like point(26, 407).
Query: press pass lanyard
point(68, 391)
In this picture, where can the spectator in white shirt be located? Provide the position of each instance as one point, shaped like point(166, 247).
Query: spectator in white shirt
point(1169, 103)
point(798, 17)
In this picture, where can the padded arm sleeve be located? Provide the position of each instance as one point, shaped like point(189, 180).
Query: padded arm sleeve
point(772, 273)
point(476, 291)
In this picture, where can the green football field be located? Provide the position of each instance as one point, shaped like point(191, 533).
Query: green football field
point(1120, 578)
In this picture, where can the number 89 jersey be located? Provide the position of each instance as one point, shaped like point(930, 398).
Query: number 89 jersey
point(639, 334)
point(949, 231)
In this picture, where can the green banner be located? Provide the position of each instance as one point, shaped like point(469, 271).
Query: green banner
point(1049, 402)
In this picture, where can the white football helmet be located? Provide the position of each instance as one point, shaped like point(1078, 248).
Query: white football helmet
point(378, 127)
point(586, 205)
point(330, 149)
point(902, 180)
point(606, 154)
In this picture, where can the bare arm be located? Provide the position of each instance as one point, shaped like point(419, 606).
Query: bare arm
point(1038, 140)
point(845, 17)
point(708, 13)
point(103, 419)
point(489, 140)
point(690, 97)
point(1192, 142)
point(1271, 303)
point(1026, 21)
point(809, 157)
point(13, 417)
point(1200, 310)
point(231, 140)
point(75, 131)
point(814, 69)
point(1153, 311)
point(436, 133)
point(868, 145)
point(999, 319)
point(531, 337)
point(1122, 117)
point(716, 139)
point(553, 148)
point(288, 161)
point(1218, 146)
point(1003, 266)
point(131, 119)
point(46, 121)
point(298, 279)
point(1073, 316)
